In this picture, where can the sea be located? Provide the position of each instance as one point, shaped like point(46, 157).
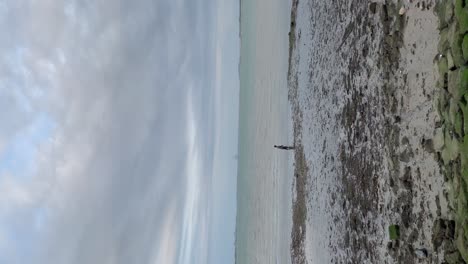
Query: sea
point(264, 183)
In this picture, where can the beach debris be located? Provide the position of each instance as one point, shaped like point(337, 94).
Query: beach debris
point(394, 232)
point(437, 57)
point(402, 11)
point(421, 253)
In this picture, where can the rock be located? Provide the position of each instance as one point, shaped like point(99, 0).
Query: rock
point(444, 43)
point(421, 253)
point(441, 11)
point(438, 233)
point(451, 195)
point(428, 145)
point(373, 7)
point(453, 83)
point(449, 12)
point(462, 15)
point(438, 139)
point(462, 247)
point(453, 258)
point(464, 173)
point(393, 245)
point(389, 246)
point(443, 67)
point(462, 214)
point(451, 149)
point(463, 87)
point(402, 11)
point(450, 63)
point(456, 185)
point(458, 125)
point(450, 229)
point(464, 108)
point(465, 47)
point(453, 108)
point(456, 48)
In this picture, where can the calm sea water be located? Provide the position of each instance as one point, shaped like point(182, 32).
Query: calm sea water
point(264, 174)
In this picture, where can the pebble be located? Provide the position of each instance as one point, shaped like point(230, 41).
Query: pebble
point(421, 253)
point(402, 11)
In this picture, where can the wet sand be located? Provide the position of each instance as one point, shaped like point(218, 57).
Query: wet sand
point(362, 88)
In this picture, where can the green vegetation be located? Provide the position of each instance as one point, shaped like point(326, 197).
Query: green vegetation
point(461, 14)
point(451, 139)
point(394, 232)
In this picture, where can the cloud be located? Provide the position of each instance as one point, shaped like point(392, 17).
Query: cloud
point(122, 176)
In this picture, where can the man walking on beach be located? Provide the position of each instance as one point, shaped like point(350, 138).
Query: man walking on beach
point(284, 147)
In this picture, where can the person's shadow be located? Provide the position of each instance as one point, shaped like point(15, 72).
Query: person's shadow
point(283, 147)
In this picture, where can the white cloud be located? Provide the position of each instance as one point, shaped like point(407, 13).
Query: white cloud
point(125, 169)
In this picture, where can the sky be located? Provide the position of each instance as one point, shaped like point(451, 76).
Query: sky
point(118, 131)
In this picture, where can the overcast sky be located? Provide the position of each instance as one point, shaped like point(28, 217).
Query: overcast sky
point(118, 131)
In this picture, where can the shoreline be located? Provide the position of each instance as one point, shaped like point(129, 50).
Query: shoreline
point(299, 208)
point(362, 92)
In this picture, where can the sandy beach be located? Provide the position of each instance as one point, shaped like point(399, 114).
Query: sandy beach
point(363, 91)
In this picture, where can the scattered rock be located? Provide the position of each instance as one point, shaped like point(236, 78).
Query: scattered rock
point(406, 155)
point(438, 233)
point(421, 253)
point(443, 67)
point(452, 84)
point(465, 47)
point(428, 145)
point(402, 11)
point(444, 42)
point(438, 140)
point(450, 63)
point(450, 229)
point(456, 48)
point(449, 12)
point(453, 258)
point(373, 7)
point(422, 5)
